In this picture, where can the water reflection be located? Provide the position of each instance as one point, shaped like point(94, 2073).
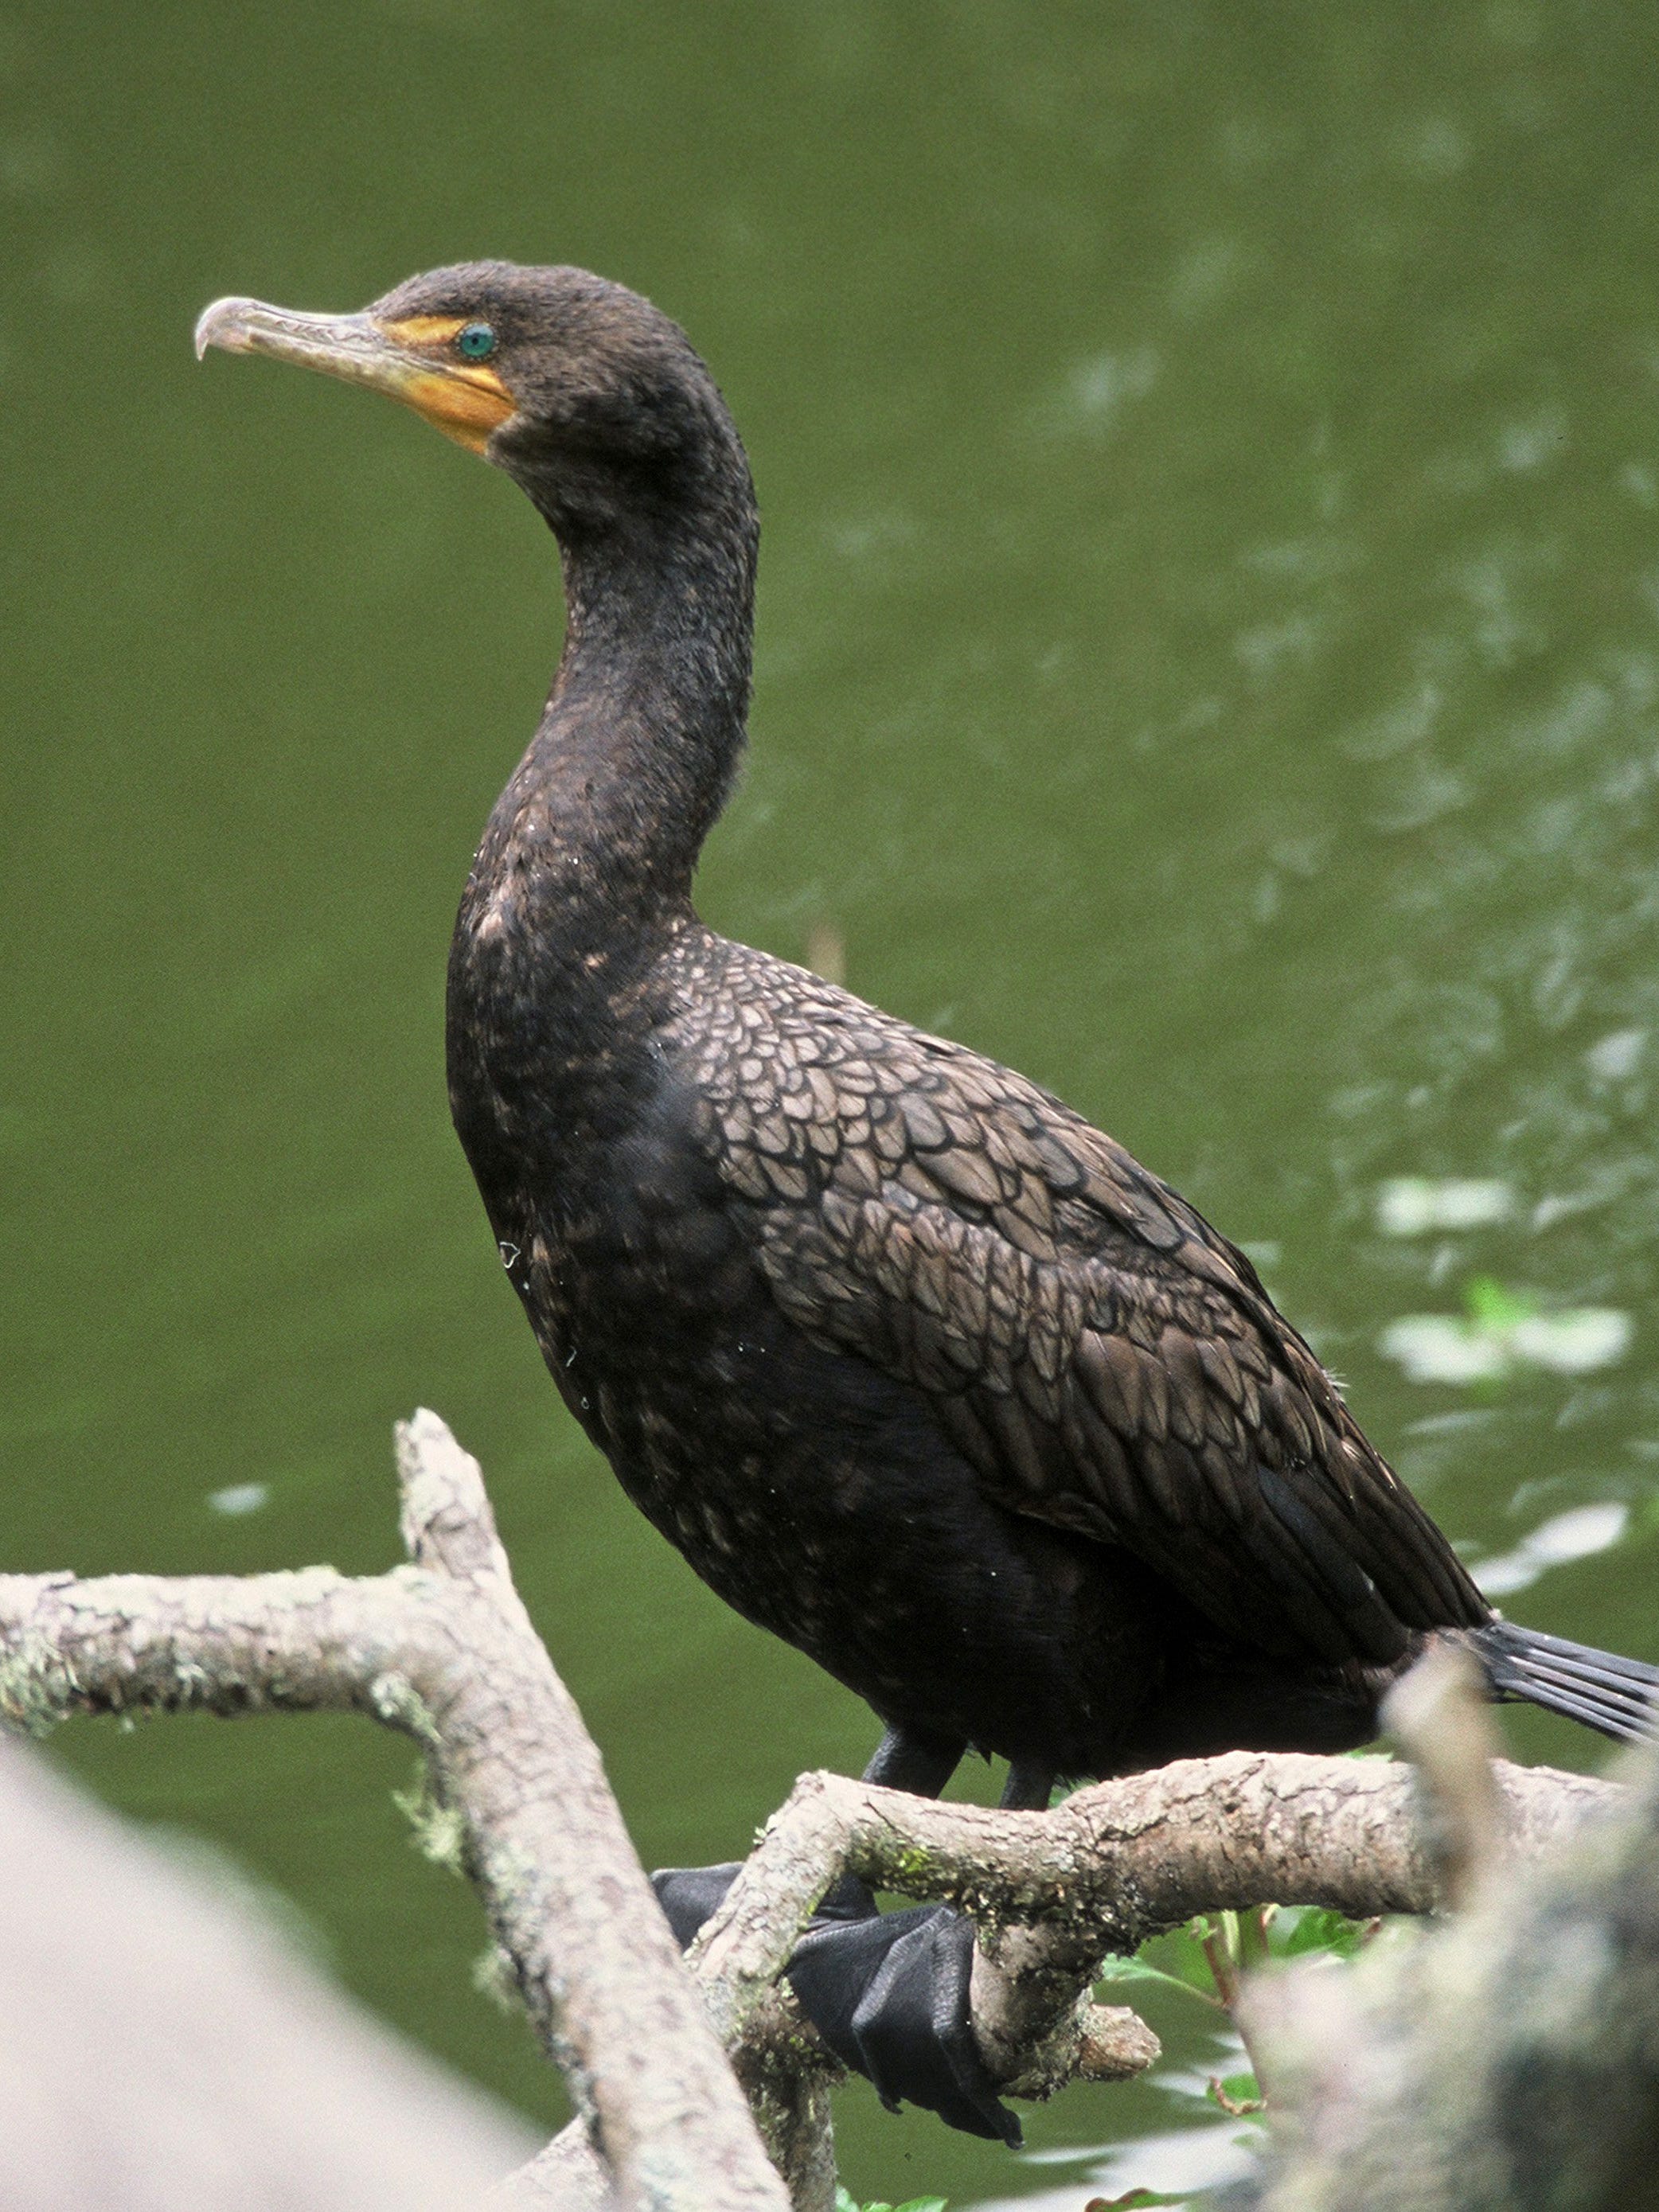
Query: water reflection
point(1415, 1206)
point(1501, 1334)
point(1579, 1534)
point(239, 1497)
point(1181, 2162)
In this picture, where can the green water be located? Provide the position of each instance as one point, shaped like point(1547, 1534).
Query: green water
point(1209, 657)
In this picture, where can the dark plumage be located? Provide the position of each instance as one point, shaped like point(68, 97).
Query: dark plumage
point(916, 1368)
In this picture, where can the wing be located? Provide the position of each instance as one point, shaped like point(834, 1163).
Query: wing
point(1102, 1358)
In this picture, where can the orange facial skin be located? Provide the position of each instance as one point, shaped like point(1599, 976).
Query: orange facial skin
point(466, 400)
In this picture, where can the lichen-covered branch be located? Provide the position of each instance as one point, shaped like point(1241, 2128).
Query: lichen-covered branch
point(1052, 1894)
point(442, 1648)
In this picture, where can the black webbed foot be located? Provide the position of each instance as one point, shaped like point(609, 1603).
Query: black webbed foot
point(888, 1992)
point(890, 1996)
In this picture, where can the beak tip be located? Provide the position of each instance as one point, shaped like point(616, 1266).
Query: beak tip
point(223, 325)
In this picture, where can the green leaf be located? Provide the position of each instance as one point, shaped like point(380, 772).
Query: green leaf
point(1239, 2087)
point(1313, 1930)
point(1184, 1955)
point(1120, 1971)
point(1132, 2202)
point(1491, 1305)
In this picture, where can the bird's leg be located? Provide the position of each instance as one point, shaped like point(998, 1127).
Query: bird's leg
point(922, 1765)
point(902, 1760)
point(1029, 1787)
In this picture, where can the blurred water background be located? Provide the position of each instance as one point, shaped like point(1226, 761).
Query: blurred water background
point(1209, 657)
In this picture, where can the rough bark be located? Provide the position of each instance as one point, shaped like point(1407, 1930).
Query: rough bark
point(1053, 1893)
point(442, 1650)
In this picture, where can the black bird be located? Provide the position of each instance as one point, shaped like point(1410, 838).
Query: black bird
point(918, 1369)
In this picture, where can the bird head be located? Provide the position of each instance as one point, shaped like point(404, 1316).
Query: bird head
point(590, 397)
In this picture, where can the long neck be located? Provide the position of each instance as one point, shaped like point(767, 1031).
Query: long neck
point(645, 725)
point(584, 869)
point(597, 832)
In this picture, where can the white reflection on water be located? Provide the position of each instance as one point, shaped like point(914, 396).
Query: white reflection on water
point(1450, 1348)
point(1617, 1056)
point(1413, 1206)
point(1098, 388)
point(1188, 2159)
point(239, 1497)
point(1096, 392)
point(1574, 1535)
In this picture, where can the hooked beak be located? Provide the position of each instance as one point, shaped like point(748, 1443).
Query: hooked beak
point(466, 400)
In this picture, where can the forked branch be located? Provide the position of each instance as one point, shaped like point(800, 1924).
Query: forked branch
point(441, 1649)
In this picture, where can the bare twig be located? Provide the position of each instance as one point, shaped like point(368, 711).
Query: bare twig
point(1223, 1967)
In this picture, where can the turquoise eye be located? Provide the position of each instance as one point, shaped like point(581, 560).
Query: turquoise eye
point(477, 342)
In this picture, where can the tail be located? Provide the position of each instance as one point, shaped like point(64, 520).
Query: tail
point(1616, 1696)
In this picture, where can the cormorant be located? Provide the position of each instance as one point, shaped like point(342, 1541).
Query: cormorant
point(918, 1369)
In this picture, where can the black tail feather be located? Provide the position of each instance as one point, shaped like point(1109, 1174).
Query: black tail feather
point(1618, 1697)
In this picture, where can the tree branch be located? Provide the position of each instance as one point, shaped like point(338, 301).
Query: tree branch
point(1439, 1717)
point(442, 1648)
point(1053, 1893)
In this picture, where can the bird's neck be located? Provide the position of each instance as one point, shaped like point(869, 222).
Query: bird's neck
point(584, 874)
point(594, 840)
